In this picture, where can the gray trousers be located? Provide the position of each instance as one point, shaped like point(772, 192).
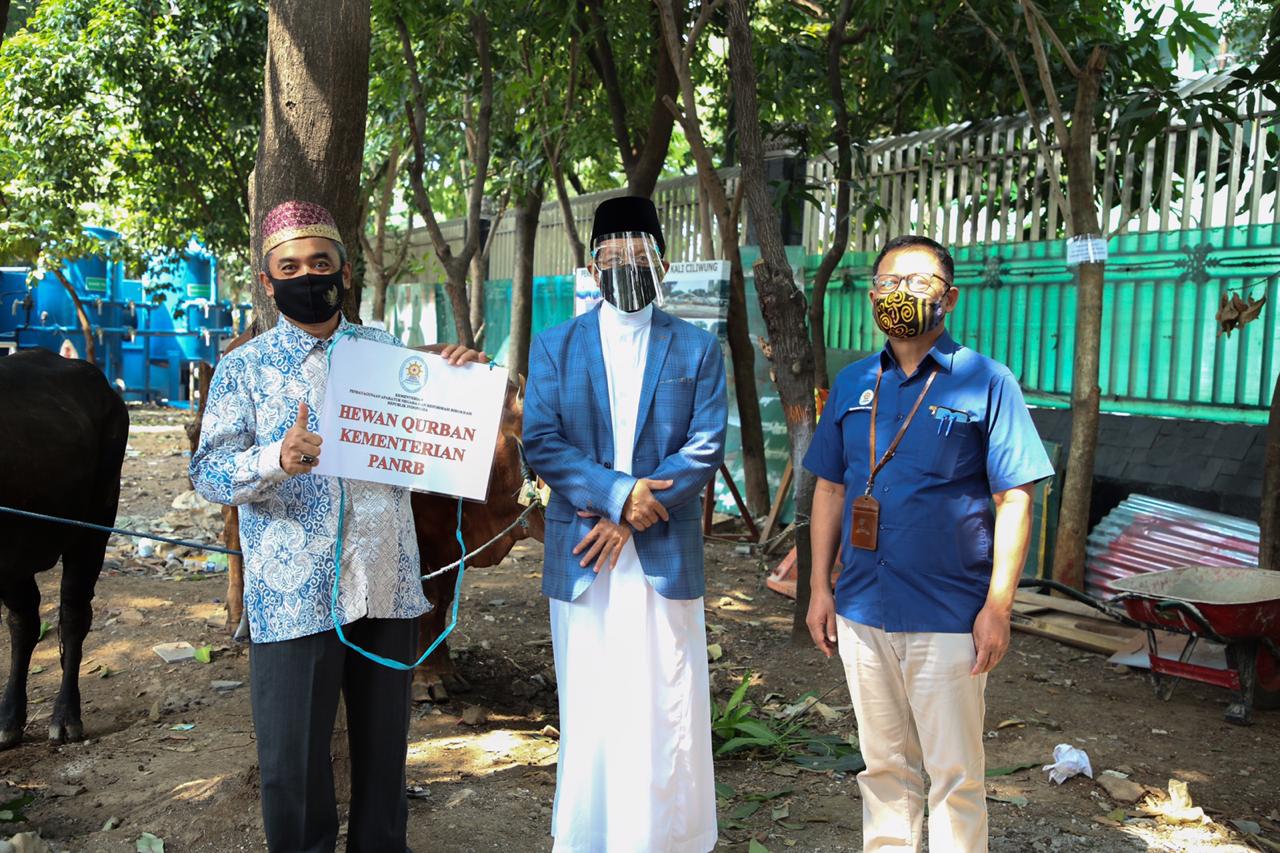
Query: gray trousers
point(295, 686)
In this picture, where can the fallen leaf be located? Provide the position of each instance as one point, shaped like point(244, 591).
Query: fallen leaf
point(36, 670)
point(204, 654)
point(1013, 800)
point(744, 810)
point(1004, 724)
point(782, 812)
point(45, 628)
point(714, 652)
point(148, 843)
point(725, 792)
point(182, 727)
point(756, 847)
point(112, 823)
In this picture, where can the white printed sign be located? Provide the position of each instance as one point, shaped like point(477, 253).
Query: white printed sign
point(404, 418)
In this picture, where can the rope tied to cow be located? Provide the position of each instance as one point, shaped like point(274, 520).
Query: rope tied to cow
point(521, 521)
point(102, 528)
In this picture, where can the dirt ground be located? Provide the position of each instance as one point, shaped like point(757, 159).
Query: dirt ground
point(169, 754)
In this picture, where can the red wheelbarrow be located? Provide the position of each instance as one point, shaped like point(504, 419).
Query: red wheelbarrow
point(1237, 607)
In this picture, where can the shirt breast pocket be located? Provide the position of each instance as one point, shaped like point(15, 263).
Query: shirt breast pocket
point(855, 428)
point(956, 451)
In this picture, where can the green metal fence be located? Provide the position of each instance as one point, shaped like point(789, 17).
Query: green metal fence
point(1161, 352)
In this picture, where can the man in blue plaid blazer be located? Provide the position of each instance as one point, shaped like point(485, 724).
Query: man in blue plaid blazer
point(624, 418)
point(568, 440)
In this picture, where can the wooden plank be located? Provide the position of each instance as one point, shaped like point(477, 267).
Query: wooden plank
point(1090, 634)
point(1056, 603)
point(1210, 183)
point(1166, 180)
point(778, 500)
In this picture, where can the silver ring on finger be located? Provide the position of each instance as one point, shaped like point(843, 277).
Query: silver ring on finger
point(307, 459)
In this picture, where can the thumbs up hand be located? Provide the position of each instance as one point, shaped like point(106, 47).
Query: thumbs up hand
point(301, 448)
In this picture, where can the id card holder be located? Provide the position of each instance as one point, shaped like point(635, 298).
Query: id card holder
point(866, 523)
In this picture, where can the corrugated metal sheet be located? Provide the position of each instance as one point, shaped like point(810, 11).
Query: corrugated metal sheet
point(1144, 534)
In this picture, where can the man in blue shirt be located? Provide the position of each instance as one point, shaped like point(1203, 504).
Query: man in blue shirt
point(914, 444)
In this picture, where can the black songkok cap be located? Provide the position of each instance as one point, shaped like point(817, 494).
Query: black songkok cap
point(626, 213)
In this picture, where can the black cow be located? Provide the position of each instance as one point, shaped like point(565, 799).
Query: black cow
point(63, 431)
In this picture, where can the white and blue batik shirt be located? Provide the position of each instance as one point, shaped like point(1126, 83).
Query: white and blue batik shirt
point(289, 525)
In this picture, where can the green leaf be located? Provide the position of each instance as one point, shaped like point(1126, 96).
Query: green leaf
point(757, 729)
point(725, 792)
point(45, 628)
point(11, 811)
point(1008, 771)
point(764, 798)
point(148, 843)
point(782, 812)
point(744, 810)
point(756, 847)
point(734, 744)
point(204, 654)
point(738, 695)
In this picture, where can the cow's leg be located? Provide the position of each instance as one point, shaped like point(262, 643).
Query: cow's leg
point(22, 599)
point(436, 677)
point(80, 569)
point(235, 568)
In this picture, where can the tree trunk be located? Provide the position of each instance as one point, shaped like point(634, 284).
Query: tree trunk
point(456, 289)
point(566, 215)
point(475, 298)
point(380, 300)
point(86, 329)
point(4, 19)
point(1269, 519)
point(642, 179)
point(844, 175)
point(312, 140)
point(741, 352)
point(528, 210)
point(1073, 520)
point(781, 302)
point(742, 356)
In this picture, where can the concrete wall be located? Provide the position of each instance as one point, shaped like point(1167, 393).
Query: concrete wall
point(1208, 465)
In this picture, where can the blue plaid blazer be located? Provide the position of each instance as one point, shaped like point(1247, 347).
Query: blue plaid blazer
point(568, 440)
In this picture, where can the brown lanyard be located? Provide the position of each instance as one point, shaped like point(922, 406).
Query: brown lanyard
point(888, 454)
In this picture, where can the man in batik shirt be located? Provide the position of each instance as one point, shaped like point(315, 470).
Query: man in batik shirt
point(257, 449)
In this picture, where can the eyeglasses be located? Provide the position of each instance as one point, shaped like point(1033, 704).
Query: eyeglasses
point(609, 262)
point(920, 284)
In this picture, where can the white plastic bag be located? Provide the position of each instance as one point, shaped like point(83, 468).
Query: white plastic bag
point(1067, 762)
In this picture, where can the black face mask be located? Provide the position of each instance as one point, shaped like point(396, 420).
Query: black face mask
point(628, 288)
point(309, 299)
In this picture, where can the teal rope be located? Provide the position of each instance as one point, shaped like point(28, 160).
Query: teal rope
point(337, 572)
point(337, 580)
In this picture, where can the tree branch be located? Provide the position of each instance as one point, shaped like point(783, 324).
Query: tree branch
point(1057, 42)
point(1046, 75)
point(416, 111)
point(689, 117)
point(1033, 115)
point(600, 55)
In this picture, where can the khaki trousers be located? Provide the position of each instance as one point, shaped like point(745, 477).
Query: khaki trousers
point(918, 709)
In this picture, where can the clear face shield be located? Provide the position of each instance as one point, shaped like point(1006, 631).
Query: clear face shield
point(629, 269)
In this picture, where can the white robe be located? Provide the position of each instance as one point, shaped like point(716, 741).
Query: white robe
point(635, 768)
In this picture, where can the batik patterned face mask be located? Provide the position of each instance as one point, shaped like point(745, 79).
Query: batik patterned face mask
point(902, 314)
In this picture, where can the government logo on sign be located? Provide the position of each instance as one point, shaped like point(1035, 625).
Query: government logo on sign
point(413, 373)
